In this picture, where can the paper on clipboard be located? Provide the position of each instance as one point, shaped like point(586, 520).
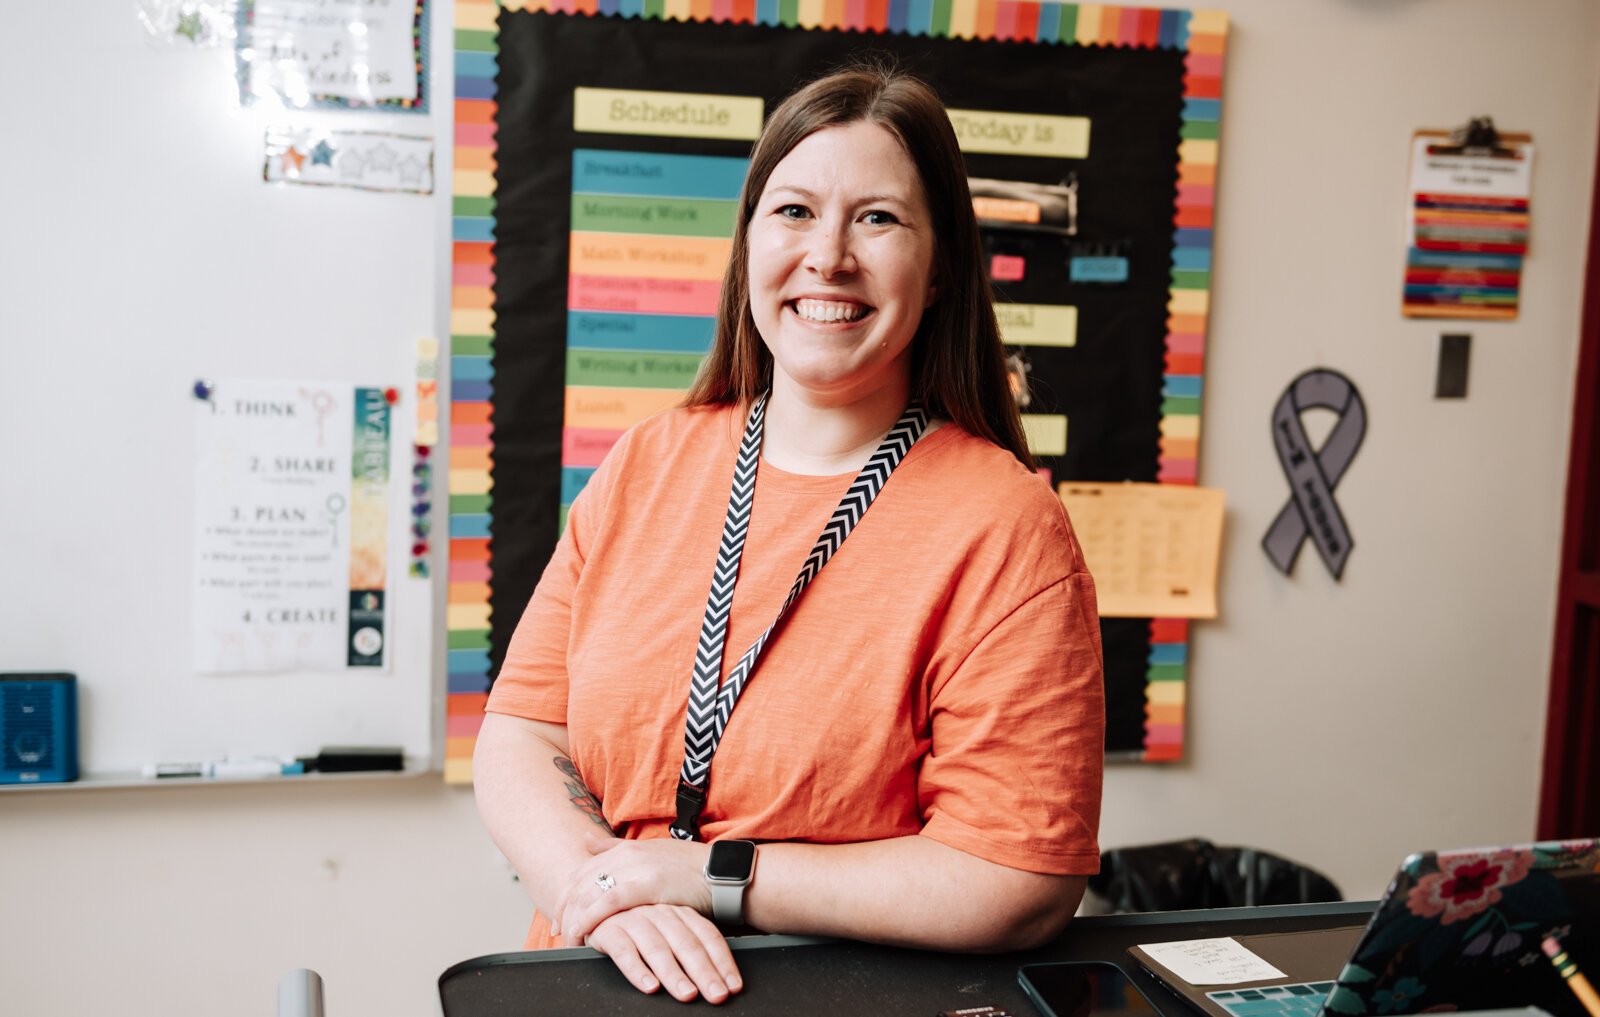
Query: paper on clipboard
point(1467, 232)
point(1152, 548)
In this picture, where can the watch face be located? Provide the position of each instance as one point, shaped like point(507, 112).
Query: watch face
point(731, 859)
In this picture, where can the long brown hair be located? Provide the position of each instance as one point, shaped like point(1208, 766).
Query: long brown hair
point(958, 363)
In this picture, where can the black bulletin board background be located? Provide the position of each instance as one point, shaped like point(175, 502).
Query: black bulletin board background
point(1109, 384)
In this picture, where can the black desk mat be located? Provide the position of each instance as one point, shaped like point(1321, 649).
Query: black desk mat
point(787, 976)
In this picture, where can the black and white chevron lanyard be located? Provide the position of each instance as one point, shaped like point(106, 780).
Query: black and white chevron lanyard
point(709, 706)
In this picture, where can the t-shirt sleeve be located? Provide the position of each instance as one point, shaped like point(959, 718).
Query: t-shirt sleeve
point(1018, 732)
point(533, 677)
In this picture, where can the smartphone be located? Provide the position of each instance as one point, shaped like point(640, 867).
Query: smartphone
point(1086, 989)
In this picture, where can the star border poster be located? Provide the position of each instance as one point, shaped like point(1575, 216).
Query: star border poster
point(554, 352)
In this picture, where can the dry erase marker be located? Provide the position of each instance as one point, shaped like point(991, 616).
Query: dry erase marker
point(162, 771)
point(244, 769)
point(1575, 981)
point(225, 769)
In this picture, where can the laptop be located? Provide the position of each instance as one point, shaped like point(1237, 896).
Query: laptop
point(1455, 930)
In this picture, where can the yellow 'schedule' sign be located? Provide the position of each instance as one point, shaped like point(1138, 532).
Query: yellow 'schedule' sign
point(667, 114)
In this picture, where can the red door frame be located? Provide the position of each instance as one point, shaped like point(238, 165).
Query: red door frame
point(1569, 801)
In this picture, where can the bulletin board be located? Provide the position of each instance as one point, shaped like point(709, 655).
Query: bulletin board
point(557, 345)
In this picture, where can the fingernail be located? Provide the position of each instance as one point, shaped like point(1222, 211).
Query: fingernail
point(735, 984)
point(685, 989)
point(650, 984)
point(717, 989)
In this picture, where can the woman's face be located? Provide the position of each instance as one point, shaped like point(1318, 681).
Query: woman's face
point(841, 262)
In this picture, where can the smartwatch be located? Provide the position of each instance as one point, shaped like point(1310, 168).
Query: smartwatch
point(728, 871)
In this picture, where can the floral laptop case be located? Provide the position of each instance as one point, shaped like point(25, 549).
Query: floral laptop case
point(1462, 930)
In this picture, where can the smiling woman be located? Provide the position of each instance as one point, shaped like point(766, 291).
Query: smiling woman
point(880, 147)
point(907, 746)
point(841, 271)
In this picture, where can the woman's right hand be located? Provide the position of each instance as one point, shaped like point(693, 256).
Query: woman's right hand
point(669, 945)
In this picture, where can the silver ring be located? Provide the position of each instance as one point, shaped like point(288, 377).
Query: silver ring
point(604, 881)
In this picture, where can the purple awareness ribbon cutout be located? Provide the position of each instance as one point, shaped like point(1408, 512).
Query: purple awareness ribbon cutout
point(1311, 512)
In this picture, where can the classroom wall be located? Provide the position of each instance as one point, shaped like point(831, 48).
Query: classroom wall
point(1340, 723)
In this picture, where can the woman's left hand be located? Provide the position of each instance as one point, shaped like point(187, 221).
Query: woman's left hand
point(655, 871)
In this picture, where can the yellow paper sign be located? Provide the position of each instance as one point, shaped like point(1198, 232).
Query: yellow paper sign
point(1152, 548)
point(1047, 433)
point(1021, 133)
point(667, 114)
point(1037, 324)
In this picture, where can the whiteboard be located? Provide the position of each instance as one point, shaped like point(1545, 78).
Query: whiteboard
point(140, 250)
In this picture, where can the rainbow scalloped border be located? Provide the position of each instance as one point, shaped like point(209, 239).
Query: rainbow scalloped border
point(1202, 35)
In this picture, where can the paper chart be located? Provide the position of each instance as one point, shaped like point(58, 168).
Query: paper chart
point(291, 517)
point(1467, 231)
point(1153, 549)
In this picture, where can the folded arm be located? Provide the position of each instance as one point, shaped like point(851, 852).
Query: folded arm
point(536, 809)
point(549, 825)
point(905, 891)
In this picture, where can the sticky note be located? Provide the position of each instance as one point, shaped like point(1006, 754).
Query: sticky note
point(1047, 433)
point(1038, 324)
point(1007, 268)
point(1005, 209)
point(1111, 269)
point(1219, 961)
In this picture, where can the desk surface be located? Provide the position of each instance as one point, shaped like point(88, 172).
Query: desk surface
point(790, 975)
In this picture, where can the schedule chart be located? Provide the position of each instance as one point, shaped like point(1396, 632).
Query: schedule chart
point(651, 235)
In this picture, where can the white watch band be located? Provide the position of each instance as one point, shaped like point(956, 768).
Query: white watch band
point(727, 903)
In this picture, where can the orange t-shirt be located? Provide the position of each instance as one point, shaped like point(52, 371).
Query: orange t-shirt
point(941, 675)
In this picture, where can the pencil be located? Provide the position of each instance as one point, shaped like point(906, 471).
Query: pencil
point(1575, 981)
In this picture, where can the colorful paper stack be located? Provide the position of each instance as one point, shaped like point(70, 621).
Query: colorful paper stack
point(651, 236)
point(1467, 261)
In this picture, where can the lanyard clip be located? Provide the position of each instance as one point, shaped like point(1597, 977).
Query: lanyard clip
point(691, 802)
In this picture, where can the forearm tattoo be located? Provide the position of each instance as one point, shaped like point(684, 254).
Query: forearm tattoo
point(582, 798)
